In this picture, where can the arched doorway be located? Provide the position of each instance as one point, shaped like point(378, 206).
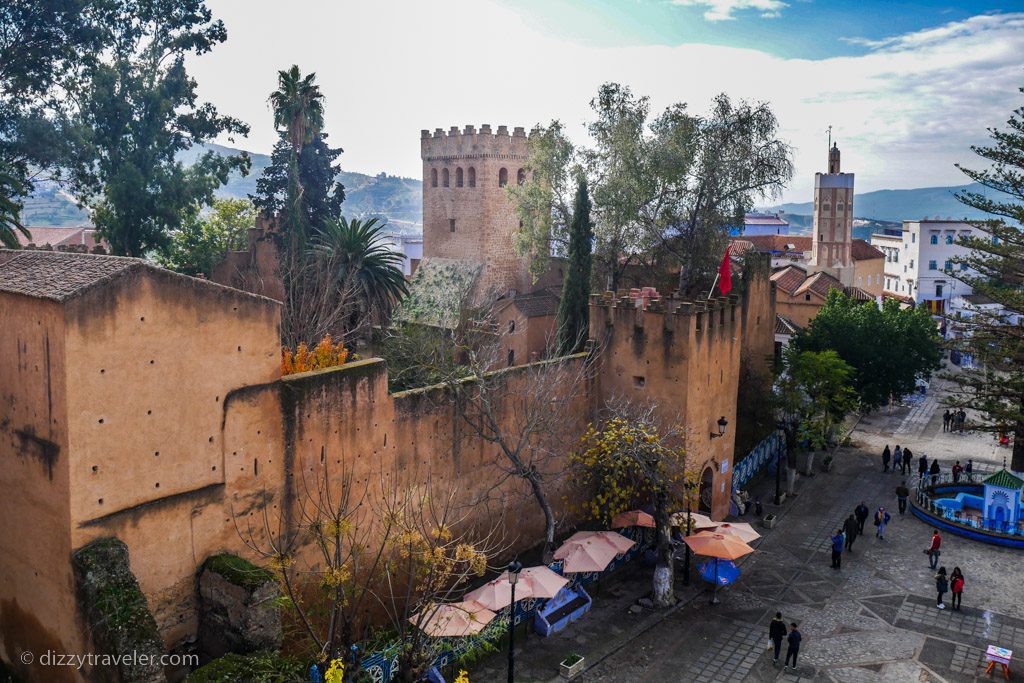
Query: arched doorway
point(707, 482)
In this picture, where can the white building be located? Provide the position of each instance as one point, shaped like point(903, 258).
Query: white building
point(409, 246)
point(919, 262)
point(765, 224)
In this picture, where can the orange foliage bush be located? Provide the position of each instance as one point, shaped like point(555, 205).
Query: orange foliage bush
point(326, 354)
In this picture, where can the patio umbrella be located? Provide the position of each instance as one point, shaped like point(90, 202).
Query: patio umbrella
point(740, 530)
point(454, 619)
point(591, 551)
point(720, 572)
point(722, 546)
point(633, 518)
point(699, 521)
point(538, 582)
point(494, 595)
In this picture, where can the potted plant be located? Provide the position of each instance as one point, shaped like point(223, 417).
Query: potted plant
point(571, 666)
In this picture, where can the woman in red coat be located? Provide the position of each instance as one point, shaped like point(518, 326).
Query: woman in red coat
point(956, 586)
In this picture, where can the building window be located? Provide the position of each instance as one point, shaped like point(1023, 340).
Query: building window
point(935, 239)
point(933, 265)
point(511, 357)
point(433, 177)
point(444, 178)
point(807, 297)
point(963, 266)
point(511, 326)
point(826, 207)
point(451, 225)
point(639, 381)
point(458, 177)
point(520, 177)
point(472, 177)
point(911, 263)
point(948, 265)
point(938, 291)
point(896, 256)
point(949, 238)
point(840, 206)
point(860, 280)
point(913, 237)
point(503, 177)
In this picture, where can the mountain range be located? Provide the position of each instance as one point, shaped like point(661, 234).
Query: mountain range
point(901, 205)
point(397, 200)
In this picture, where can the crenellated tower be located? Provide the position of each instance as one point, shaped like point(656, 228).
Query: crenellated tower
point(467, 215)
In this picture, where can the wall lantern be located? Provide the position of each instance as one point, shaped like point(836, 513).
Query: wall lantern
point(722, 424)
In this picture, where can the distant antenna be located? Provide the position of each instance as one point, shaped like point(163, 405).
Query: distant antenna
point(830, 137)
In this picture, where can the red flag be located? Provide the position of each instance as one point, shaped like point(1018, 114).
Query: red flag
point(725, 274)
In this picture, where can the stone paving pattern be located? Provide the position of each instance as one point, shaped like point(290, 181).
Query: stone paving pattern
point(873, 620)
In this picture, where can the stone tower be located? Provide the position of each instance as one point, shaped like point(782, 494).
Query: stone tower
point(467, 215)
point(833, 216)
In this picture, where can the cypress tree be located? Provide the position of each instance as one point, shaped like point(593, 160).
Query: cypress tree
point(573, 311)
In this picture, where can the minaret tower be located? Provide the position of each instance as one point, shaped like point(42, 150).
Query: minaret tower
point(833, 215)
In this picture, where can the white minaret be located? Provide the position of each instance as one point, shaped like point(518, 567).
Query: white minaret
point(833, 215)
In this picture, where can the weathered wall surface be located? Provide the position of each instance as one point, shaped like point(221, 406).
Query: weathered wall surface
point(37, 607)
point(682, 357)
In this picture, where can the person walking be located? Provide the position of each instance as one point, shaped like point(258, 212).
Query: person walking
point(956, 586)
point(946, 418)
point(956, 470)
point(897, 457)
point(934, 471)
point(908, 458)
point(902, 493)
point(886, 457)
point(776, 632)
point(961, 418)
point(851, 528)
point(861, 512)
point(969, 469)
point(837, 549)
point(935, 549)
point(941, 585)
point(922, 467)
point(881, 519)
point(793, 647)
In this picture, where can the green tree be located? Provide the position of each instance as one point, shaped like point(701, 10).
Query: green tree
point(136, 110)
point(204, 240)
point(351, 281)
point(995, 269)
point(41, 45)
point(889, 348)
point(574, 308)
point(323, 194)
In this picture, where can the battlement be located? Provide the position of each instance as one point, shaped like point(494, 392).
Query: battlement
point(646, 310)
point(470, 142)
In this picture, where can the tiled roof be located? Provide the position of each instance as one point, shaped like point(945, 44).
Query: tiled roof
point(789, 279)
point(1006, 480)
point(784, 325)
point(820, 283)
point(860, 250)
point(786, 244)
point(59, 237)
point(58, 275)
point(858, 294)
point(537, 304)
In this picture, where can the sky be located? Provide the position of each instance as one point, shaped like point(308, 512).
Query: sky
point(907, 87)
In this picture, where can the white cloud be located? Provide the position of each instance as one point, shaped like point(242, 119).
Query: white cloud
point(903, 113)
point(723, 10)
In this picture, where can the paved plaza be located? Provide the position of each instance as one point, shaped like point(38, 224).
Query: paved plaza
point(873, 620)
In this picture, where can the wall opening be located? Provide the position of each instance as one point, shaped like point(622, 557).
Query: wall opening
point(472, 176)
point(458, 177)
point(520, 177)
point(445, 180)
point(433, 177)
point(503, 177)
point(451, 225)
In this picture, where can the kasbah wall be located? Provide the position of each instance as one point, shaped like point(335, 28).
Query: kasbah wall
point(149, 406)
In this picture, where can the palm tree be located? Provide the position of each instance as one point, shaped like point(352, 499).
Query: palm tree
point(298, 107)
point(10, 210)
point(355, 265)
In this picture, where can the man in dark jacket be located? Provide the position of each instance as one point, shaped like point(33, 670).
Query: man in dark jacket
point(908, 458)
point(793, 649)
point(776, 632)
point(922, 467)
point(861, 512)
point(886, 457)
point(902, 493)
point(934, 471)
point(851, 528)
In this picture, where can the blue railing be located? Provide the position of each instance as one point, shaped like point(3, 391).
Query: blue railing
point(763, 453)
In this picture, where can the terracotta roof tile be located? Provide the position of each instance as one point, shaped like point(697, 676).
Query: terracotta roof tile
point(58, 275)
point(860, 250)
point(786, 244)
point(789, 279)
point(784, 325)
point(537, 304)
point(820, 283)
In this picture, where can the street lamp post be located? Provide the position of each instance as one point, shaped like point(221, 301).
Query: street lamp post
point(514, 567)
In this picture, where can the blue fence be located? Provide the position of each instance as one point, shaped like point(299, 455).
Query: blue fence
point(764, 453)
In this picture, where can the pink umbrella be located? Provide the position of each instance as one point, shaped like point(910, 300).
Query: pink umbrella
point(453, 619)
point(591, 551)
point(740, 530)
point(494, 595)
point(538, 582)
point(632, 518)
